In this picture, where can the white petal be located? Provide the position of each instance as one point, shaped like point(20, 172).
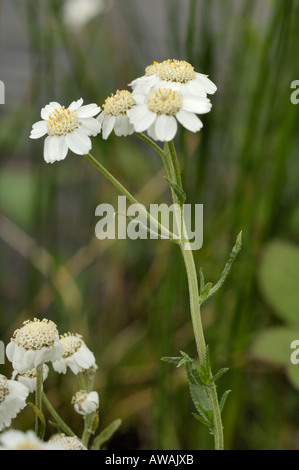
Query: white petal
point(193, 88)
point(196, 105)
point(46, 149)
point(108, 125)
point(127, 127)
point(118, 125)
point(91, 126)
point(101, 118)
point(141, 117)
point(207, 84)
point(58, 148)
point(78, 142)
point(76, 104)
point(49, 109)
point(151, 132)
point(139, 99)
point(88, 111)
point(166, 127)
point(189, 120)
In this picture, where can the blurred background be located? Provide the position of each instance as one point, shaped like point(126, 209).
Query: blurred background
point(129, 299)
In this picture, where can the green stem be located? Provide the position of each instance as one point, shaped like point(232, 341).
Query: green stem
point(194, 296)
point(38, 398)
point(63, 426)
point(164, 232)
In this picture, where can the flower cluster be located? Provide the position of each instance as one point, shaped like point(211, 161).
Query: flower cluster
point(33, 345)
point(170, 92)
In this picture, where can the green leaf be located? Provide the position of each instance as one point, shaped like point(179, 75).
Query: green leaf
point(223, 399)
point(41, 417)
point(202, 420)
point(274, 345)
point(172, 360)
point(213, 289)
point(105, 435)
point(179, 192)
point(279, 280)
point(219, 374)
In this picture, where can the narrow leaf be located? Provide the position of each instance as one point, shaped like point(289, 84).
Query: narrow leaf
point(106, 434)
point(223, 399)
point(41, 417)
point(226, 270)
point(201, 419)
point(179, 192)
point(219, 374)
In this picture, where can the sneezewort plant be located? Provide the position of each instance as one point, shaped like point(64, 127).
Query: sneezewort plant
point(169, 93)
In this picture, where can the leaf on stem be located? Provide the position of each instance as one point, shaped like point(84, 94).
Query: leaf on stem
point(105, 435)
point(41, 418)
point(207, 290)
point(179, 192)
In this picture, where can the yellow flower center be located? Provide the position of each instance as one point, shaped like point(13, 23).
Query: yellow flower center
point(118, 103)
point(80, 397)
point(71, 344)
point(31, 373)
point(165, 101)
point(68, 442)
point(152, 69)
point(3, 388)
point(36, 334)
point(62, 121)
point(176, 71)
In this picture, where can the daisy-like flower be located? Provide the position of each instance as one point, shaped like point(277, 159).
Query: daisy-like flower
point(12, 400)
point(67, 442)
point(175, 74)
point(76, 355)
point(158, 113)
point(35, 343)
point(67, 128)
point(28, 378)
point(114, 114)
point(85, 402)
point(18, 440)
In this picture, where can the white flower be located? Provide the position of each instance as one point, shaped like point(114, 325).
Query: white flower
point(67, 442)
point(18, 440)
point(35, 343)
point(28, 378)
point(158, 113)
point(12, 400)
point(85, 402)
point(175, 74)
point(114, 114)
point(67, 128)
point(76, 355)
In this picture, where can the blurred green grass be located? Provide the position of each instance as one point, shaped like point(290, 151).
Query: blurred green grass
point(130, 299)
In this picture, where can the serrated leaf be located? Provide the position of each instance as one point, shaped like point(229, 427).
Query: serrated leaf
point(219, 374)
point(172, 360)
point(223, 399)
point(105, 435)
point(200, 399)
point(201, 419)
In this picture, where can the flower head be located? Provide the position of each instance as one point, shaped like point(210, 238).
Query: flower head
point(67, 442)
point(114, 114)
point(67, 128)
point(158, 113)
point(175, 74)
point(85, 402)
point(35, 343)
point(28, 378)
point(76, 355)
point(12, 400)
point(18, 440)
